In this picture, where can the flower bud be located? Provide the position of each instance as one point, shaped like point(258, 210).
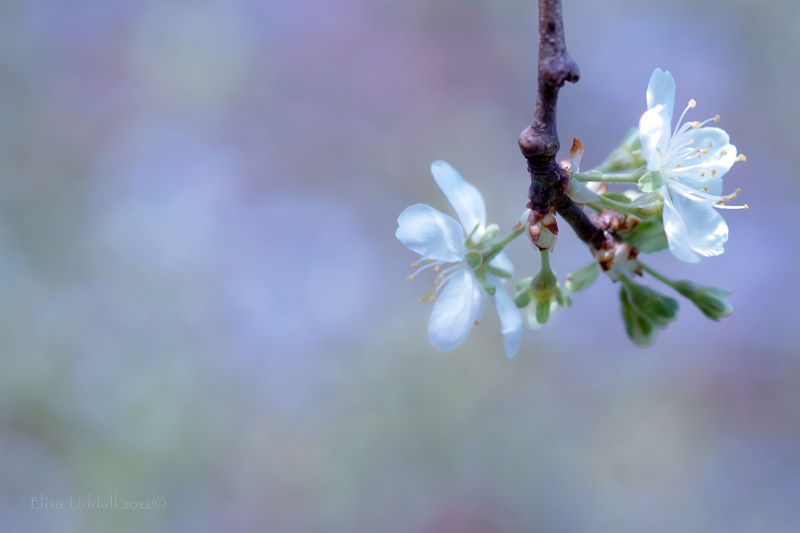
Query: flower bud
point(645, 312)
point(714, 303)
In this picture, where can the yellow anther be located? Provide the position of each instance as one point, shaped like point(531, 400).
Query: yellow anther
point(704, 188)
point(696, 124)
point(431, 260)
point(432, 298)
point(414, 265)
point(724, 152)
point(436, 281)
point(691, 141)
point(437, 267)
point(716, 118)
point(713, 172)
point(741, 158)
point(726, 199)
point(699, 154)
point(705, 150)
point(410, 277)
point(692, 103)
point(738, 191)
point(701, 175)
point(422, 299)
point(745, 207)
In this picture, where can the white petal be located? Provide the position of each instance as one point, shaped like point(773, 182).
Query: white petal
point(510, 317)
point(661, 91)
point(458, 307)
point(465, 198)
point(654, 131)
point(693, 228)
point(431, 233)
point(502, 262)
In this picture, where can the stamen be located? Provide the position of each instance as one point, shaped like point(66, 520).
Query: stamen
point(713, 172)
point(705, 151)
point(722, 153)
point(414, 265)
point(716, 118)
point(691, 141)
point(410, 277)
point(745, 207)
point(436, 268)
point(704, 188)
point(701, 175)
point(696, 124)
point(692, 103)
point(741, 158)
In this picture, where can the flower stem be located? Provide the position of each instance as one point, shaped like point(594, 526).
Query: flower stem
point(641, 212)
point(660, 277)
point(612, 177)
point(495, 246)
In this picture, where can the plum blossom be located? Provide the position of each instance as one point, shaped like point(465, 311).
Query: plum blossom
point(686, 165)
point(466, 259)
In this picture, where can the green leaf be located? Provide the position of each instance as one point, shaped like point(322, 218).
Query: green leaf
point(648, 236)
point(583, 278)
point(623, 156)
point(488, 287)
point(523, 299)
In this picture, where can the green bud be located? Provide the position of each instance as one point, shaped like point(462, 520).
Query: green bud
point(645, 312)
point(648, 236)
point(623, 156)
point(659, 309)
point(714, 303)
point(640, 330)
point(583, 278)
point(473, 259)
point(652, 181)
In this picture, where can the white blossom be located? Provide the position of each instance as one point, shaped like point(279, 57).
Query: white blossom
point(454, 251)
point(690, 162)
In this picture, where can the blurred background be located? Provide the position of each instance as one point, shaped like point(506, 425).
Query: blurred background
point(203, 300)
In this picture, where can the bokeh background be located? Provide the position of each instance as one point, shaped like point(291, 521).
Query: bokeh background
point(202, 298)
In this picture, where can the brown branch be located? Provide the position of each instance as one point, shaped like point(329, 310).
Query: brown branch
point(539, 141)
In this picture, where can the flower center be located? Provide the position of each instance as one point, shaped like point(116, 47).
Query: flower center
point(714, 157)
point(445, 270)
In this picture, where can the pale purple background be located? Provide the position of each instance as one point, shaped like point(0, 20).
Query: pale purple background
point(202, 299)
